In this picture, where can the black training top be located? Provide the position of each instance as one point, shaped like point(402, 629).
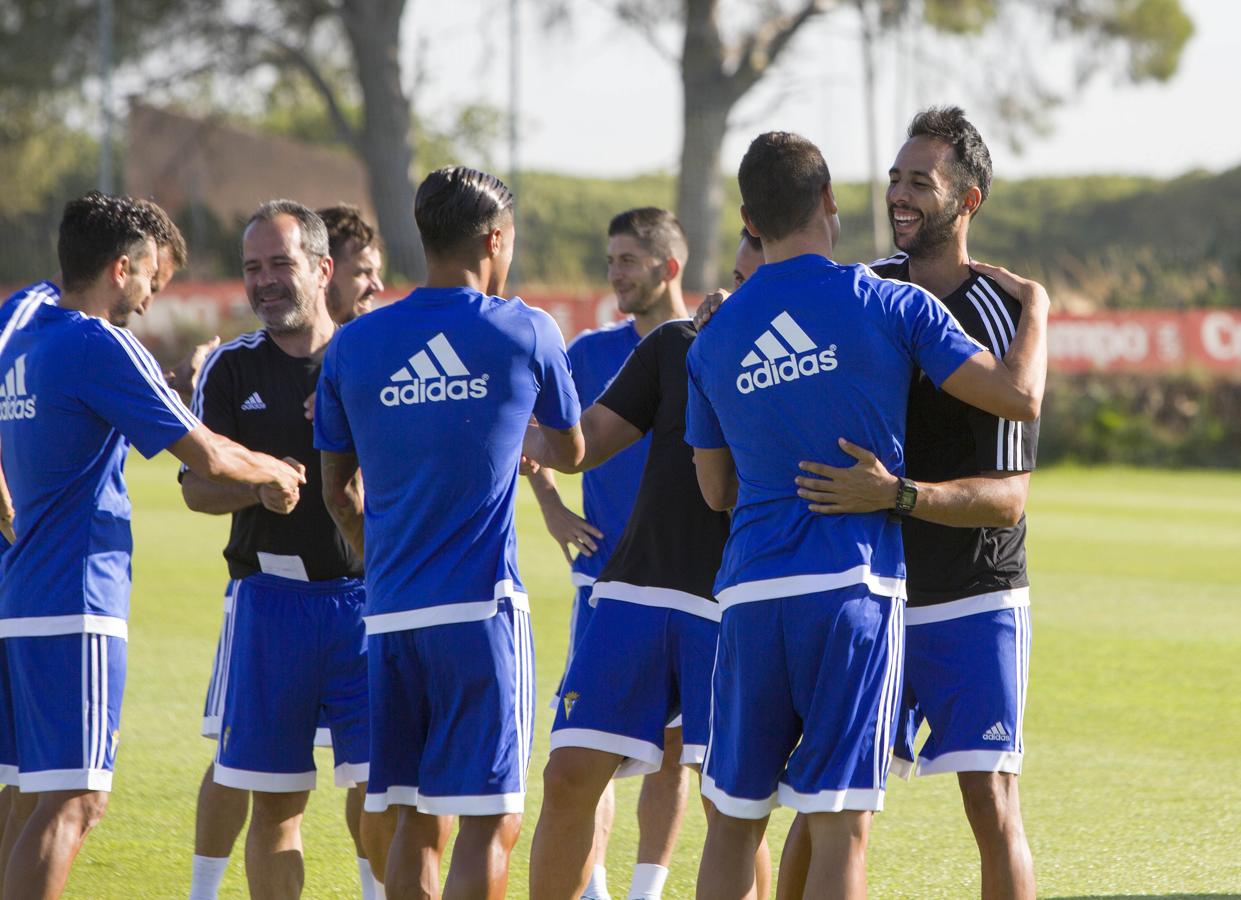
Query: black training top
point(946, 439)
point(253, 392)
point(673, 539)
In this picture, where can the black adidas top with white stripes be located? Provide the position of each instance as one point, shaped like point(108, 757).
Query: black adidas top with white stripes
point(253, 392)
point(947, 439)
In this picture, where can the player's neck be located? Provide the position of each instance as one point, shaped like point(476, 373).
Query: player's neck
point(90, 301)
point(670, 306)
point(814, 240)
point(942, 272)
point(306, 342)
point(452, 273)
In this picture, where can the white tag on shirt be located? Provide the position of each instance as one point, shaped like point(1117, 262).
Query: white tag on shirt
point(285, 566)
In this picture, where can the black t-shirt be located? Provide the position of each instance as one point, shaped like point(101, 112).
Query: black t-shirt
point(673, 539)
point(253, 392)
point(946, 439)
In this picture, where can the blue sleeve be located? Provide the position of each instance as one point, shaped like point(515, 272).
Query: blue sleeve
point(577, 359)
point(933, 338)
point(332, 432)
point(125, 387)
point(556, 405)
point(702, 426)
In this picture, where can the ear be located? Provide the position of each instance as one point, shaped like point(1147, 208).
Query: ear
point(493, 241)
point(326, 268)
point(749, 224)
point(672, 268)
point(829, 200)
point(118, 270)
point(971, 201)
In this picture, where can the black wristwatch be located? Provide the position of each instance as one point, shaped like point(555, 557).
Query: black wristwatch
point(906, 498)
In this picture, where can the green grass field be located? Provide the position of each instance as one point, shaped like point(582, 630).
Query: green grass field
point(1134, 718)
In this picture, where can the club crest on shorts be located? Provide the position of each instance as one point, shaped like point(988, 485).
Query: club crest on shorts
point(570, 700)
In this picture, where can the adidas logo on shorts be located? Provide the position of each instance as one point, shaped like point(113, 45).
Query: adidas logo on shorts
point(997, 732)
point(427, 383)
point(14, 404)
point(797, 356)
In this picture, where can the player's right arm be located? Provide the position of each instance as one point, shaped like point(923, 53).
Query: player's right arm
point(342, 495)
point(221, 471)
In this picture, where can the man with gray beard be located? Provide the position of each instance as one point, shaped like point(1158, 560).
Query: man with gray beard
point(295, 646)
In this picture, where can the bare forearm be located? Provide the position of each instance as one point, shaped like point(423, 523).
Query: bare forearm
point(543, 485)
point(215, 458)
point(217, 497)
point(1026, 358)
point(969, 503)
point(347, 513)
point(342, 495)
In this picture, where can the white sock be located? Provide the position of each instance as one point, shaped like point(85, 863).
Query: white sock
point(206, 873)
point(597, 888)
point(648, 882)
point(371, 889)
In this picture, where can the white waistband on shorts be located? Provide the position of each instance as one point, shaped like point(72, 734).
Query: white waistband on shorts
point(1013, 598)
point(448, 613)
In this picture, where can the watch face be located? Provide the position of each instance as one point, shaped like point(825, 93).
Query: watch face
point(906, 496)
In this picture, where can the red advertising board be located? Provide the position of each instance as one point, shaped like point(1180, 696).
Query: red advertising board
point(1138, 341)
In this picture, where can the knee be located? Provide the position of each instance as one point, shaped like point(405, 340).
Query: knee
point(272, 809)
point(82, 812)
point(991, 799)
point(566, 783)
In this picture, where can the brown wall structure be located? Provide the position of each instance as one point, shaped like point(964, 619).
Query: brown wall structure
point(178, 160)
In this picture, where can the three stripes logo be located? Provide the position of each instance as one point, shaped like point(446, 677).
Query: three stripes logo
point(422, 381)
point(14, 403)
point(254, 402)
point(997, 732)
point(774, 361)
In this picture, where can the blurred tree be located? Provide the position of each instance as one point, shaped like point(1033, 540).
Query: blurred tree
point(48, 50)
point(719, 65)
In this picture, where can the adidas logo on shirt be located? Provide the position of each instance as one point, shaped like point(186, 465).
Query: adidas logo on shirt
point(14, 404)
point(429, 383)
point(779, 361)
point(997, 732)
point(254, 401)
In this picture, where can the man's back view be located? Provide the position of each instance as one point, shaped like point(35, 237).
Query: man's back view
point(432, 397)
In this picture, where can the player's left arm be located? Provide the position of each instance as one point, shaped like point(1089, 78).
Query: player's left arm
point(1012, 388)
point(989, 499)
point(342, 495)
point(717, 477)
point(604, 434)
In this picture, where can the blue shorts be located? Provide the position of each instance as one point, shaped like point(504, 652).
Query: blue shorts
point(297, 653)
point(637, 668)
point(60, 711)
point(805, 698)
point(967, 677)
point(213, 707)
point(579, 620)
point(452, 716)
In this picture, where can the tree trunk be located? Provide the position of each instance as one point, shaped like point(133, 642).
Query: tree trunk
point(699, 192)
point(373, 27)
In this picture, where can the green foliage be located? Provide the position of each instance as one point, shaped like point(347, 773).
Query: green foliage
point(1142, 420)
point(1155, 32)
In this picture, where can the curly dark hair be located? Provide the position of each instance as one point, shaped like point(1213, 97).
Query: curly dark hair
point(972, 158)
point(98, 229)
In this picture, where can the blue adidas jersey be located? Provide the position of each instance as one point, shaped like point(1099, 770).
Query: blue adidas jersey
point(75, 392)
point(806, 352)
point(19, 307)
point(608, 491)
point(434, 394)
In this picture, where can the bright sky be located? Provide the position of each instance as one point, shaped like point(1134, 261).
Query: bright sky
point(597, 99)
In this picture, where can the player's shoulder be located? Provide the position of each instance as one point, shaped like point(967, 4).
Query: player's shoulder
point(540, 321)
point(618, 332)
point(988, 290)
point(21, 305)
point(674, 332)
point(895, 266)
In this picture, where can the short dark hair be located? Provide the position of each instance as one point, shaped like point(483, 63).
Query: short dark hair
point(457, 203)
point(756, 243)
point(344, 223)
point(98, 229)
point(169, 234)
point(313, 231)
point(972, 158)
point(657, 230)
point(782, 177)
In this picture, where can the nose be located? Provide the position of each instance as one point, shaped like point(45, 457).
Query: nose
point(897, 192)
point(377, 284)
